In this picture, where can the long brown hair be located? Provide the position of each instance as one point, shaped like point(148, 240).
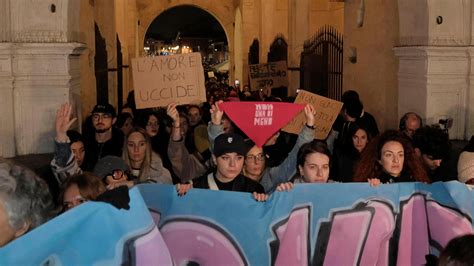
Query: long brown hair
point(90, 186)
point(369, 166)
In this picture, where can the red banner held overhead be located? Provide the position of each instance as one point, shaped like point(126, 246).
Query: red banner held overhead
point(260, 120)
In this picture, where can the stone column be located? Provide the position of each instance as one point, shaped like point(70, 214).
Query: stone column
point(435, 72)
point(433, 82)
point(298, 32)
point(39, 70)
point(45, 75)
point(7, 132)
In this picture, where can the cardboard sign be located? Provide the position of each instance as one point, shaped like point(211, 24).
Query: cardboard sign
point(260, 120)
point(326, 113)
point(162, 80)
point(273, 74)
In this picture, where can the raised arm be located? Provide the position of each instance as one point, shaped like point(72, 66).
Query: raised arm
point(215, 127)
point(285, 171)
point(63, 163)
point(185, 165)
point(176, 126)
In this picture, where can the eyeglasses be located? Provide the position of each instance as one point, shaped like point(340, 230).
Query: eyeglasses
point(259, 157)
point(97, 116)
point(116, 174)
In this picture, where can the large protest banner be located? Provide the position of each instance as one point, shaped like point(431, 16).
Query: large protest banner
point(273, 74)
point(95, 233)
point(326, 113)
point(314, 224)
point(161, 80)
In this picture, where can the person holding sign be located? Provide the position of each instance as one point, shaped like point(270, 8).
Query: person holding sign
point(185, 165)
point(254, 165)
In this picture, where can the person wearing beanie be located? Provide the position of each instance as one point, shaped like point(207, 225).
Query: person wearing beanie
point(229, 153)
point(255, 163)
point(114, 172)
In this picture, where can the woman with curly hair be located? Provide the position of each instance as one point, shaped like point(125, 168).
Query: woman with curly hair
point(390, 158)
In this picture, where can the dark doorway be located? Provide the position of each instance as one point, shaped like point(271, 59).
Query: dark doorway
point(100, 67)
point(188, 28)
point(119, 73)
point(278, 50)
point(321, 63)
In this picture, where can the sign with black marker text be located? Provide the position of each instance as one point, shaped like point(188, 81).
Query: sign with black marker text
point(161, 80)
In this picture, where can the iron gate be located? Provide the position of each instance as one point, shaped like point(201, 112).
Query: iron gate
point(321, 63)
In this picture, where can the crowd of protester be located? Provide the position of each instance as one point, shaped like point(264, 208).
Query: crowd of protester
point(198, 146)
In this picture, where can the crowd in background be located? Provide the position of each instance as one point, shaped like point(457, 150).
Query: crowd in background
point(198, 146)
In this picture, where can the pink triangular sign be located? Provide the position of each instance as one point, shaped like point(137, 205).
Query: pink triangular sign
point(260, 120)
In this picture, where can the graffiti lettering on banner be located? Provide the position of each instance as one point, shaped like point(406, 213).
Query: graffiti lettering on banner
point(326, 113)
point(161, 80)
point(273, 74)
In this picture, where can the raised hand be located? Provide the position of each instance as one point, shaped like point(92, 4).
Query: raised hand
point(173, 113)
point(64, 121)
point(309, 112)
point(216, 113)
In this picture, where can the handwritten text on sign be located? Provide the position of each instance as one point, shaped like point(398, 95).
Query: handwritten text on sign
point(273, 74)
point(326, 113)
point(161, 80)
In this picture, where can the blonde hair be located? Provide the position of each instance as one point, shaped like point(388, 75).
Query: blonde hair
point(146, 164)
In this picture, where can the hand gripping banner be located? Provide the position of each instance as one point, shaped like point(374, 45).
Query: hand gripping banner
point(313, 224)
point(260, 120)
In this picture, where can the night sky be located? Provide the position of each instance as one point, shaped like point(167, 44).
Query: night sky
point(190, 21)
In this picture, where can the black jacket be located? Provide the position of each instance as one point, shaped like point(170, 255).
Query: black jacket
point(96, 151)
point(241, 184)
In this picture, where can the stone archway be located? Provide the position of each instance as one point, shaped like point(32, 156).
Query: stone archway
point(224, 13)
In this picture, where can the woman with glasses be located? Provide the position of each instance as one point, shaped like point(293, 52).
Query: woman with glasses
point(145, 164)
point(254, 164)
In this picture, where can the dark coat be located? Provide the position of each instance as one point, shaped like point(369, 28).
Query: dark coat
point(96, 151)
point(241, 184)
